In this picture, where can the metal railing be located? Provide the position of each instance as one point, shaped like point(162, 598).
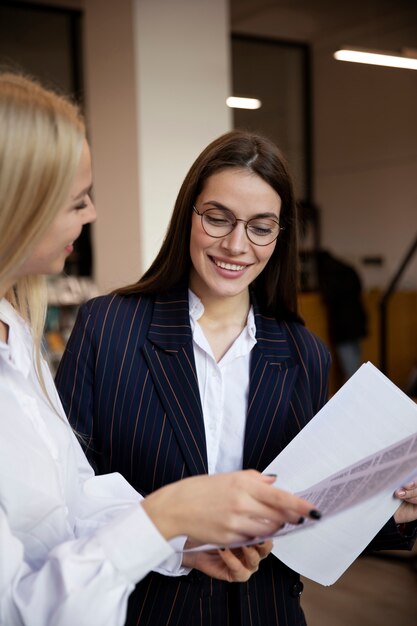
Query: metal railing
point(383, 307)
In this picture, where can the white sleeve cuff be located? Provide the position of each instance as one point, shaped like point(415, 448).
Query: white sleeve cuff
point(172, 566)
point(133, 543)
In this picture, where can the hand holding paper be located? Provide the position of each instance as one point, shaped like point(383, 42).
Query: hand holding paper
point(347, 461)
point(408, 510)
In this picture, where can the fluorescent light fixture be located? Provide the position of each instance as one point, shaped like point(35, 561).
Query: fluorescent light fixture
point(374, 57)
point(243, 103)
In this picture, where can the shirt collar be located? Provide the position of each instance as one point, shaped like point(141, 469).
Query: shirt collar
point(15, 352)
point(197, 310)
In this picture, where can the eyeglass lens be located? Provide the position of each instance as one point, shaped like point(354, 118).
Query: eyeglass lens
point(220, 222)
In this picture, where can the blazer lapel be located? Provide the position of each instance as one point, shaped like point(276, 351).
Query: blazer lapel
point(170, 357)
point(273, 373)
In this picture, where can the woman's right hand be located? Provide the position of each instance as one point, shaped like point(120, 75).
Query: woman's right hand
point(224, 508)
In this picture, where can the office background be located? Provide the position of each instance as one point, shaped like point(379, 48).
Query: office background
point(154, 76)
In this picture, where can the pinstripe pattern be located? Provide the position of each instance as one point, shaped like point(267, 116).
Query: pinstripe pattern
point(128, 382)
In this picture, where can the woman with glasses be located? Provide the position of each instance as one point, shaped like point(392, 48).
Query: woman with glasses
point(204, 366)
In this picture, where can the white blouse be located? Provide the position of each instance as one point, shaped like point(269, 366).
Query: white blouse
point(224, 391)
point(72, 545)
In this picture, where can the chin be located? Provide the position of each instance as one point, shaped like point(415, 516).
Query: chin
point(56, 268)
point(228, 292)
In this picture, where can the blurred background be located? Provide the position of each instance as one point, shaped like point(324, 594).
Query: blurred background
point(153, 77)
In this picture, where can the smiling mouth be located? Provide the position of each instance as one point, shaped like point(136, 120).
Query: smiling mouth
point(229, 266)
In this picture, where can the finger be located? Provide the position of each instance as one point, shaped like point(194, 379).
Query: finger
point(264, 527)
point(266, 500)
point(409, 495)
point(278, 517)
point(282, 503)
point(264, 548)
point(269, 478)
point(239, 569)
point(405, 513)
point(252, 557)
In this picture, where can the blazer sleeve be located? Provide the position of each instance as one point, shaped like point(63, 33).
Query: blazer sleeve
point(394, 536)
point(75, 378)
point(313, 356)
point(320, 373)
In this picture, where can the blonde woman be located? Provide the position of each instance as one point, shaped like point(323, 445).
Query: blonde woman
point(72, 545)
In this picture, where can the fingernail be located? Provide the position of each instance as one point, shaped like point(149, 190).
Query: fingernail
point(301, 520)
point(401, 493)
point(314, 514)
point(274, 475)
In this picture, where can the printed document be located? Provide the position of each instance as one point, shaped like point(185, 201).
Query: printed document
point(348, 460)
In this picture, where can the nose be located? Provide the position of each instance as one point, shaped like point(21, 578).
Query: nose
point(236, 241)
point(90, 213)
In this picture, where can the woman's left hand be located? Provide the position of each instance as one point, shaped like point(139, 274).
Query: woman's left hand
point(407, 511)
point(232, 565)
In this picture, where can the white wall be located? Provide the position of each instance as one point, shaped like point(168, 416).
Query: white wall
point(182, 82)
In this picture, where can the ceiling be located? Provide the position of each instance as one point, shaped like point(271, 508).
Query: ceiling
point(367, 22)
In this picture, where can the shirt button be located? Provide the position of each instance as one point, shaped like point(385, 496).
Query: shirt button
point(297, 589)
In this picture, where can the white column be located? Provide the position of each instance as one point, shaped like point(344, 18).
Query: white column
point(183, 79)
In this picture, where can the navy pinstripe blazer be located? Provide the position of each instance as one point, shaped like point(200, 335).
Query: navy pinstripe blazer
point(129, 385)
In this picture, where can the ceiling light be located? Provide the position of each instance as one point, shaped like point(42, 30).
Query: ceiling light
point(243, 103)
point(375, 57)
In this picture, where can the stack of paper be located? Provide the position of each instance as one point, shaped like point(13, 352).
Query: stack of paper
point(348, 460)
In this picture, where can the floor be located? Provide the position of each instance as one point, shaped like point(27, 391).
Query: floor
point(373, 592)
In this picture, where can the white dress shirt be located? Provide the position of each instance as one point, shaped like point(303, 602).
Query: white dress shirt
point(224, 390)
point(72, 545)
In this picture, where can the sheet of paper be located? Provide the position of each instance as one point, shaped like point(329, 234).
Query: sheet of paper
point(347, 461)
point(387, 469)
point(369, 413)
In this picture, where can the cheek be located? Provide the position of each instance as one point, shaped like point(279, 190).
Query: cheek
point(44, 249)
point(198, 242)
point(265, 253)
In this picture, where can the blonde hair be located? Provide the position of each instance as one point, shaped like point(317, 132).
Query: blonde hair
point(41, 139)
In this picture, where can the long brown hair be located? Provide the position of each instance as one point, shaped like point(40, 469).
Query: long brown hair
point(275, 288)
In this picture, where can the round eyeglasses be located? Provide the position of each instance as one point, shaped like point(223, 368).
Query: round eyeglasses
point(220, 222)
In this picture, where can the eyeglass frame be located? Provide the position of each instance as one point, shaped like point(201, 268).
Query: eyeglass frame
point(237, 219)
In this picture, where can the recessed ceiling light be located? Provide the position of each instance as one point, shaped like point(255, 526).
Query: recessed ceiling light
point(243, 103)
point(375, 57)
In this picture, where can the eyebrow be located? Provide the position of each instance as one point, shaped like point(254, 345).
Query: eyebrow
point(84, 192)
point(219, 205)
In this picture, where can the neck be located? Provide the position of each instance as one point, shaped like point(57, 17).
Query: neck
point(233, 310)
point(5, 286)
point(4, 332)
point(4, 329)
